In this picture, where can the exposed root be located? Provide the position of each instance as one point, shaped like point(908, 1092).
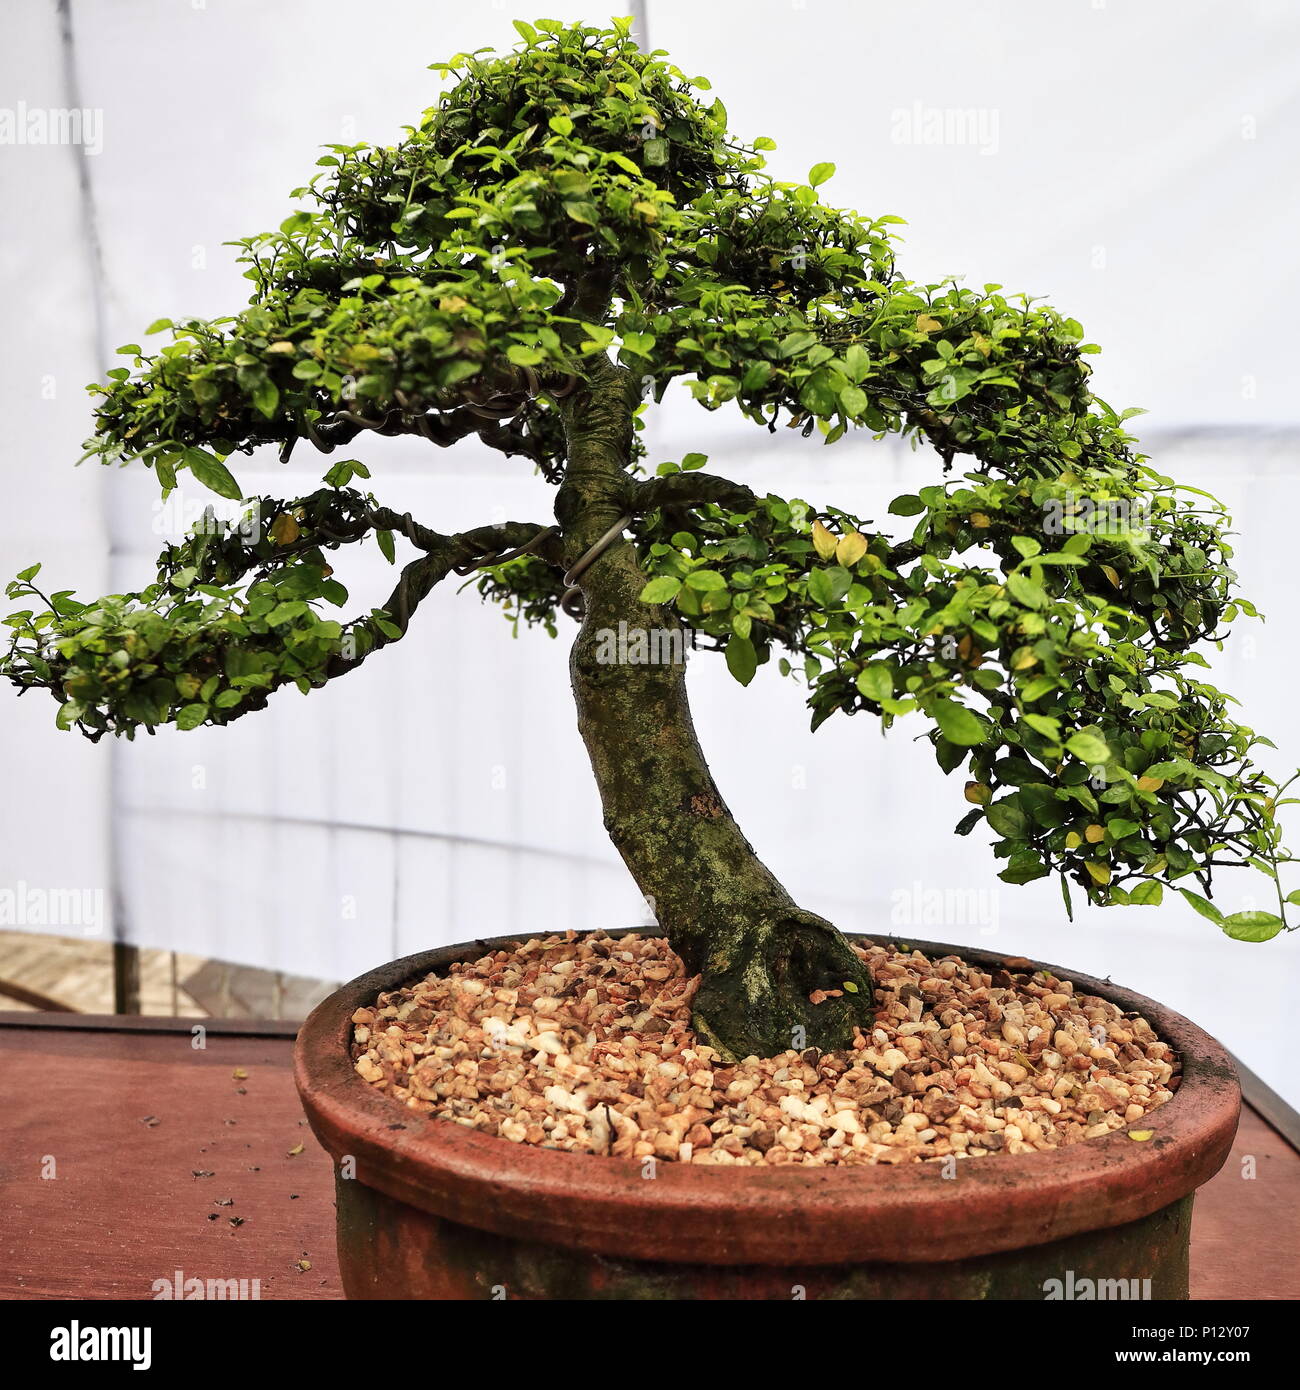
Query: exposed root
point(756, 996)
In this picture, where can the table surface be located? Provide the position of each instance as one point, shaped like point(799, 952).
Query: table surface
point(128, 1155)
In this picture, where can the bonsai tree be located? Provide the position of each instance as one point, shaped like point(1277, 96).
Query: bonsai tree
point(569, 231)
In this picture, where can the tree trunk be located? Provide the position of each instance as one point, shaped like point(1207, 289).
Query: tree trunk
point(759, 954)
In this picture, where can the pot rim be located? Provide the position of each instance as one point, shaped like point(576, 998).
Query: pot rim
point(788, 1215)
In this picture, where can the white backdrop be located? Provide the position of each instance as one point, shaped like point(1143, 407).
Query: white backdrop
point(1132, 162)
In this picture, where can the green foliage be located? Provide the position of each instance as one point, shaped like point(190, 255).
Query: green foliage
point(1057, 677)
point(577, 200)
point(200, 645)
point(429, 275)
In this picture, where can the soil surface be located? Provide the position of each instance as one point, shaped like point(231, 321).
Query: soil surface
point(583, 1043)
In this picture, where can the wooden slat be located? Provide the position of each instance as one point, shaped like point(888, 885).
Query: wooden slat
point(125, 1208)
point(156, 1023)
point(1246, 1229)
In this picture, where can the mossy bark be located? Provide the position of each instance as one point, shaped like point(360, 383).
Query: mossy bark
point(761, 956)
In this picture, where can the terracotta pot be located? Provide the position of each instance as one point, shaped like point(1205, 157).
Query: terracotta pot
point(429, 1209)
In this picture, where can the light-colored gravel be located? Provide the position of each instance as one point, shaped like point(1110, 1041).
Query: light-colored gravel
point(583, 1043)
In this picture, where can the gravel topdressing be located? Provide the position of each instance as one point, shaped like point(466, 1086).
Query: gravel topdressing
point(583, 1043)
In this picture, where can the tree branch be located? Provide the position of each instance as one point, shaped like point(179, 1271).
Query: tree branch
point(690, 490)
point(445, 555)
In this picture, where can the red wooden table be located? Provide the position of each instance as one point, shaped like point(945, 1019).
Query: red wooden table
point(128, 1155)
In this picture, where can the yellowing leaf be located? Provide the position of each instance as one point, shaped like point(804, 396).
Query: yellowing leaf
point(978, 793)
point(1150, 784)
point(296, 1150)
point(1111, 573)
point(1073, 840)
point(1094, 834)
point(851, 549)
point(979, 520)
point(239, 1074)
point(927, 323)
point(1100, 872)
point(284, 529)
point(823, 542)
point(1141, 1135)
point(282, 346)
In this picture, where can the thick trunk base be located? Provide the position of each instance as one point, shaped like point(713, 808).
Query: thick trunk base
point(791, 983)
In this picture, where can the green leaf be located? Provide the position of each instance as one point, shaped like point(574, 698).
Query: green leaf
point(958, 724)
point(1252, 926)
point(266, 396)
point(524, 356)
point(876, 681)
point(1203, 906)
point(286, 612)
point(1089, 748)
point(212, 473)
point(705, 580)
point(1036, 689)
point(191, 716)
point(906, 505)
point(1007, 819)
point(661, 589)
point(742, 660)
point(386, 546)
point(1024, 590)
point(857, 362)
point(1024, 867)
point(639, 343)
point(1147, 894)
point(819, 173)
point(820, 589)
point(69, 712)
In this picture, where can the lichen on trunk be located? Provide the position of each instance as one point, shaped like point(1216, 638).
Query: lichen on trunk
point(760, 955)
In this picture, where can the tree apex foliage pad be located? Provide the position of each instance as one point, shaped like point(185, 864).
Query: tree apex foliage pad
point(578, 200)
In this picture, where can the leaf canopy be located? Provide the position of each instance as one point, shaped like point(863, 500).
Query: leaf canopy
point(577, 200)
